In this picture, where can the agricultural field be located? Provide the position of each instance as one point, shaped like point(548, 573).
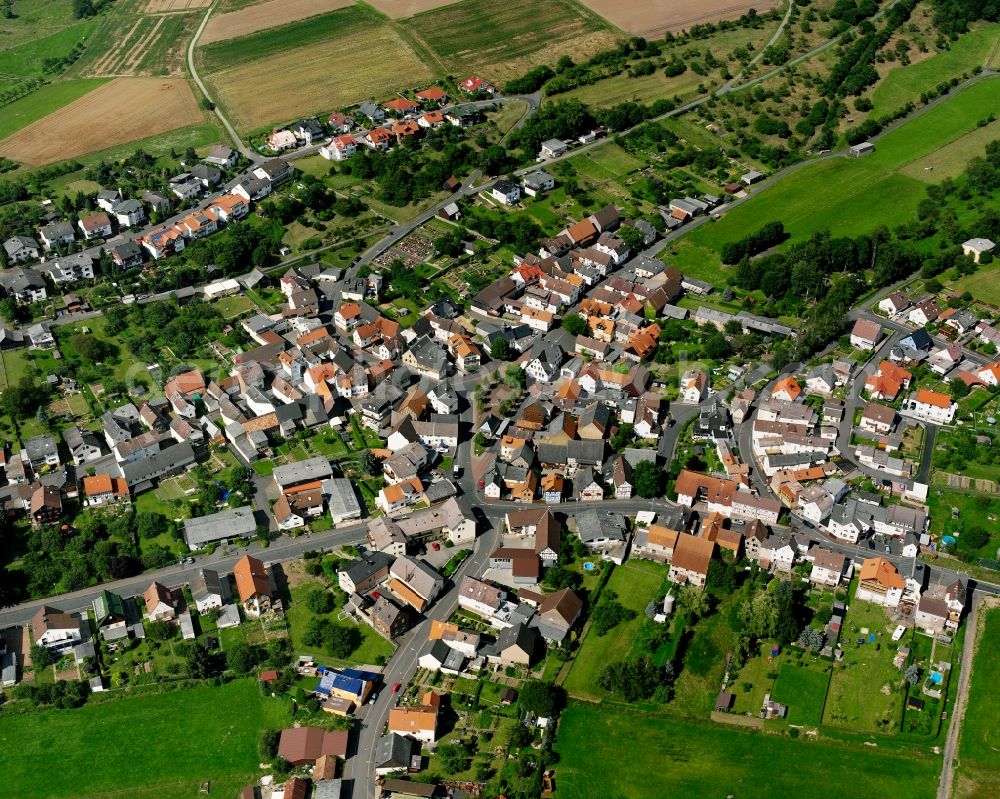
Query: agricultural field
point(282, 87)
point(44, 101)
point(501, 41)
point(400, 9)
point(845, 196)
point(903, 84)
point(263, 16)
point(160, 6)
point(635, 582)
point(951, 160)
point(660, 756)
point(167, 759)
point(653, 19)
point(25, 61)
point(227, 54)
point(124, 110)
point(145, 45)
point(978, 771)
point(34, 19)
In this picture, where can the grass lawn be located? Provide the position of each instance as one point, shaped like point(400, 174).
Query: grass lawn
point(803, 689)
point(157, 746)
point(635, 582)
point(606, 162)
point(904, 84)
point(978, 764)
point(646, 89)
point(372, 645)
point(699, 262)
point(856, 698)
point(633, 756)
point(984, 283)
point(231, 307)
point(845, 195)
point(44, 101)
point(26, 60)
point(34, 18)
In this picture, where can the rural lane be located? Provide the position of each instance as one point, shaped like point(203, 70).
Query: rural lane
point(961, 700)
point(246, 151)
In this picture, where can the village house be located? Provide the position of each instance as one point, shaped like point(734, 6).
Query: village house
point(690, 560)
point(253, 585)
point(829, 568)
point(419, 722)
point(930, 406)
point(880, 583)
point(866, 334)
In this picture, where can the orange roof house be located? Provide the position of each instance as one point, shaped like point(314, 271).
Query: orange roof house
point(419, 722)
point(401, 105)
point(935, 398)
point(787, 389)
point(252, 584)
point(192, 382)
point(882, 573)
point(887, 381)
point(432, 94)
point(642, 343)
point(582, 233)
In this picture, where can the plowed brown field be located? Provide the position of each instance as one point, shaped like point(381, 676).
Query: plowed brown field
point(123, 110)
point(265, 15)
point(653, 18)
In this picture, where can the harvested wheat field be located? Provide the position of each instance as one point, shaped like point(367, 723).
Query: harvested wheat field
point(151, 45)
point(266, 15)
point(653, 18)
point(308, 80)
point(504, 40)
point(123, 110)
point(400, 9)
point(159, 6)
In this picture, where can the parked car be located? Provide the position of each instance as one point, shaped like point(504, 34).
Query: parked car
point(396, 686)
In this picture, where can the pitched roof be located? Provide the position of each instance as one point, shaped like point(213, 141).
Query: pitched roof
point(693, 554)
point(867, 329)
point(883, 572)
point(251, 578)
point(564, 606)
point(788, 384)
point(935, 398)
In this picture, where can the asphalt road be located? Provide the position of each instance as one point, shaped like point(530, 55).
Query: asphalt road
point(282, 549)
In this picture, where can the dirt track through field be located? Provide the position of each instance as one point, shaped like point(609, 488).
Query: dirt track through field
point(103, 64)
point(653, 18)
point(265, 15)
point(134, 56)
point(400, 9)
point(160, 6)
point(120, 111)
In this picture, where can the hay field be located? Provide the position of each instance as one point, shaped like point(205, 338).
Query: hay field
point(400, 9)
point(146, 45)
point(263, 16)
point(501, 41)
point(121, 111)
point(365, 63)
point(653, 18)
point(159, 6)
